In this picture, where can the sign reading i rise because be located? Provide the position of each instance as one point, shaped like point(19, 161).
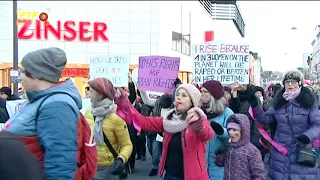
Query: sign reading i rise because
point(221, 61)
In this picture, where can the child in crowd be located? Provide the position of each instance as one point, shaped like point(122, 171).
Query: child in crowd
point(242, 159)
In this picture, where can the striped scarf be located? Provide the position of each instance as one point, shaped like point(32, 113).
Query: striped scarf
point(174, 122)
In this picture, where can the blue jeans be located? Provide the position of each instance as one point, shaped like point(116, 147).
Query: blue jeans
point(169, 177)
point(154, 150)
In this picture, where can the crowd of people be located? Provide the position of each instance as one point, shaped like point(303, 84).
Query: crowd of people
point(198, 132)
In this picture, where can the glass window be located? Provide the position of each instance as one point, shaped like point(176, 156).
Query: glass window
point(181, 28)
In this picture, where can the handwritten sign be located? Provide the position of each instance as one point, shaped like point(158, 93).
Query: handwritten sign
point(13, 106)
point(115, 68)
point(158, 73)
point(220, 61)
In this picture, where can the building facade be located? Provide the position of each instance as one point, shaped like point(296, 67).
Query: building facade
point(135, 29)
point(314, 63)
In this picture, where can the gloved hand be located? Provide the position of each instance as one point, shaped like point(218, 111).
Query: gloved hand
point(217, 128)
point(196, 126)
point(219, 160)
point(117, 167)
point(177, 82)
point(253, 101)
point(303, 139)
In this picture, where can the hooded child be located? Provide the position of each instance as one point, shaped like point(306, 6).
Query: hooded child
point(242, 159)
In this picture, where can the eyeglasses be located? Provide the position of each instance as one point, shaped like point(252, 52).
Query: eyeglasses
point(292, 82)
point(26, 73)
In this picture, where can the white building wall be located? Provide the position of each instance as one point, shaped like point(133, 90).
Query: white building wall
point(257, 72)
point(134, 28)
point(169, 15)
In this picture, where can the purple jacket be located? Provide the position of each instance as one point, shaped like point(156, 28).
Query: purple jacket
point(243, 160)
point(304, 116)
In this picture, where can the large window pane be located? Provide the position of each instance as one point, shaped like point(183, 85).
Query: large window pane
point(181, 29)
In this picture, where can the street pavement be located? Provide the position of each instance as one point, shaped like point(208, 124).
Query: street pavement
point(142, 169)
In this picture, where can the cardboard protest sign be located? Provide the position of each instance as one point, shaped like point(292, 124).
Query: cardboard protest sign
point(13, 106)
point(135, 80)
point(158, 73)
point(113, 67)
point(221, 61)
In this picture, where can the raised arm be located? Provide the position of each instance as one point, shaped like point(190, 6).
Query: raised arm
point(146, 99)
point(201, 125)
point(153, 124)
point(261, 116)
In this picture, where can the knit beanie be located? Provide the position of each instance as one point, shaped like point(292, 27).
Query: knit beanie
point(45, 64)
point(6, 90)
point(104, 87)
point(258, 88)
point(215, 88)
point(193, 92)
point(293, 75)
point(233, 125)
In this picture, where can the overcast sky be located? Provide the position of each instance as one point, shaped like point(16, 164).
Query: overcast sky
point(268, 30)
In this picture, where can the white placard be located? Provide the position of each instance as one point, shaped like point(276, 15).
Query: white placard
point(113, 67)
point(221, 61)
point(13, 106)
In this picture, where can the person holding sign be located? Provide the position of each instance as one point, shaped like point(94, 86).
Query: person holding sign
point(214, 104)
point(186, 131)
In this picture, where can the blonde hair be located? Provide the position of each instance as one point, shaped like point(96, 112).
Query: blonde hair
point(95, 97)
point(217, 106)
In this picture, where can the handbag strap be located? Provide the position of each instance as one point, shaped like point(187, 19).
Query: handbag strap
point(111, 149)
point(265, 135)
point(107, 142)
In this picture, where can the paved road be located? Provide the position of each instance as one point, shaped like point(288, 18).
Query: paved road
point(142, 170)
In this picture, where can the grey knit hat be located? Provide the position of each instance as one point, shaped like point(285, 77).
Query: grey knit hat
point(45, 64)
point(294, 75)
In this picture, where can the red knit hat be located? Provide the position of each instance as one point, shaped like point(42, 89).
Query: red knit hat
point(215, 88)
point(104, 87)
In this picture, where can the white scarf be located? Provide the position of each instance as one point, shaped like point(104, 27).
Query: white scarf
point(100, 112)
point(174, 122)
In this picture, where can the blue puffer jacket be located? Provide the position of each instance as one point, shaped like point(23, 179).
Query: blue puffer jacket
point(215, 172)
point(56, 127)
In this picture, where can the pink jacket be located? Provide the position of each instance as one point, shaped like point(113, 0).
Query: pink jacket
point(194, 144)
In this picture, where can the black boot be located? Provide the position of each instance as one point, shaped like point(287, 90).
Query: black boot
point(138, 158)
point(153, 172)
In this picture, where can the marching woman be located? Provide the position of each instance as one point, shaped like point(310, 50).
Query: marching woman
point(297, 118)
point(186, 131)
point(110, 131)
point(214, 104)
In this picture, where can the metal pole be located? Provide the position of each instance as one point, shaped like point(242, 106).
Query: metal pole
point(15, 45)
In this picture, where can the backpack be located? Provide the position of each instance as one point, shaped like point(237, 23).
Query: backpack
point(86, 153)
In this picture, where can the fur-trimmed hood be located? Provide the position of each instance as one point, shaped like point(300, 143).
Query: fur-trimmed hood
point(306, 99)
